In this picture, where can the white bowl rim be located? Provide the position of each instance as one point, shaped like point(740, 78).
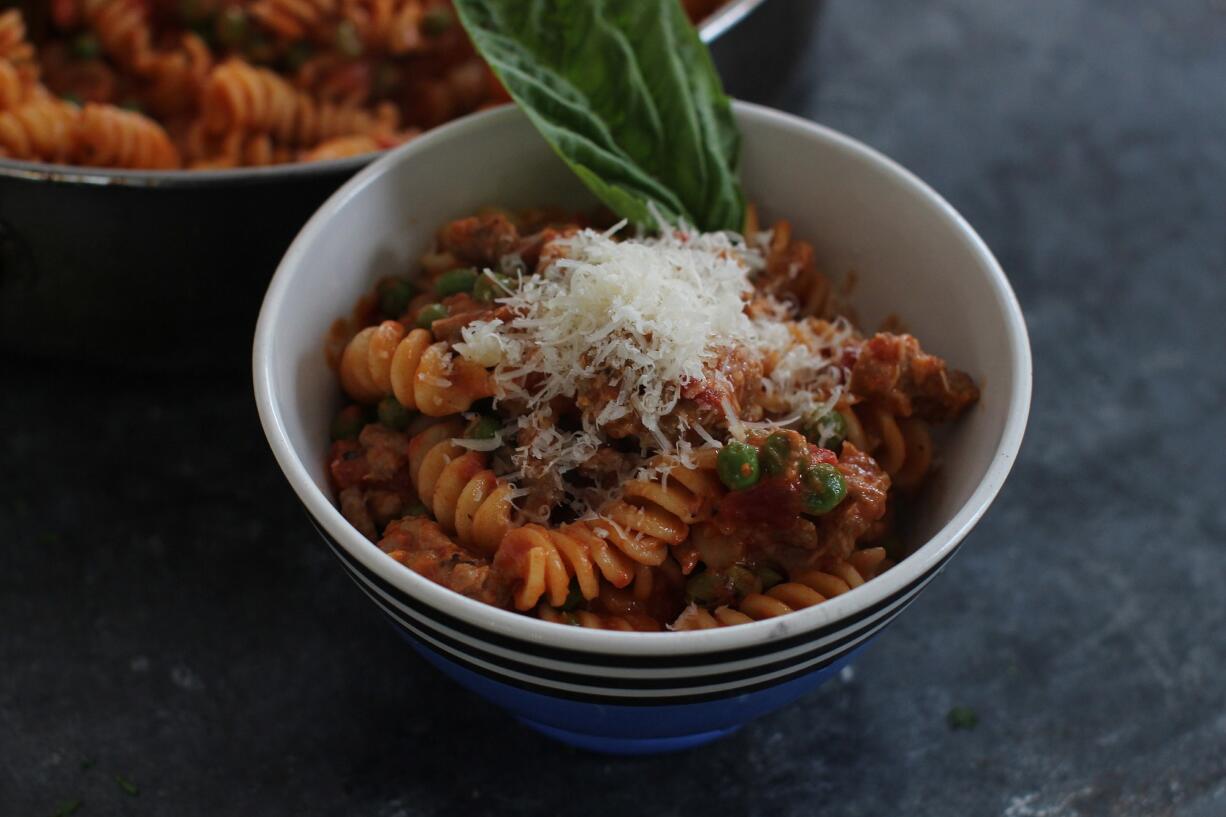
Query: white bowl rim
point(518, 626)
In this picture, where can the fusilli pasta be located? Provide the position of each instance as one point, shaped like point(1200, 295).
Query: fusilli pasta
point(13, 44)
point(42, 128)
point(13, 89)
point(805, 588)
point(110, 137)
point(467, 500)
point(558, 479)
point(385, 360)
point(239, 97)
point(246, 82)
point(293, 20)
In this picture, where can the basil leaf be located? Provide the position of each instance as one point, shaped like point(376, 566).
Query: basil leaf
point(626, 93)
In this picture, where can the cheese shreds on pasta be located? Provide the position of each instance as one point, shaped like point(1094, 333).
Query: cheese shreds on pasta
point(630, 433)
point(646, 316)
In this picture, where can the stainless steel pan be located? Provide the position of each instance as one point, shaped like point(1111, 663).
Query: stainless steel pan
point(165, 270)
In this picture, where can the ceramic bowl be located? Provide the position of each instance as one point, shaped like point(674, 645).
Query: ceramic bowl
point(912, 255)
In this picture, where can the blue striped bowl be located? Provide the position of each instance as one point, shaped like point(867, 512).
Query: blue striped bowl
point(912, 254)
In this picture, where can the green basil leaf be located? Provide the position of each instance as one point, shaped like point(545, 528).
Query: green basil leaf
point(626, 93)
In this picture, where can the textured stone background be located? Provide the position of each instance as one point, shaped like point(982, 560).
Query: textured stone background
point(166, 615)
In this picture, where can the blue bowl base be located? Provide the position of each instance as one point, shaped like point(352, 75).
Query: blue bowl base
point(628, 746)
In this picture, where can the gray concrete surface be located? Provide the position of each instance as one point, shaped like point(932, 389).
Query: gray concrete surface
point(166, 615)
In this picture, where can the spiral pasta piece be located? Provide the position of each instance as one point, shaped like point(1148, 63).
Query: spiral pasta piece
point(655, 514)
point(386, 360)
point(239, 96)
point(388, 26)
point(700, 618)
point(343, 147)
point(811, 586)
point(13, 89)
point(464, 496)
point(540, 563)
point(294, 19)
point(175, 79)
point(43, 128)
point(791, 268)
point(806, 587)
point(13, 44)
point(259, 150)
point(234, 150)
point(111, 137)
point(597, 621)
point(902, 446)
point(123, 29)
point(627, 543)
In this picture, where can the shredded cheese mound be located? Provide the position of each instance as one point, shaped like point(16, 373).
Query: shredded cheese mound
point(633, 322)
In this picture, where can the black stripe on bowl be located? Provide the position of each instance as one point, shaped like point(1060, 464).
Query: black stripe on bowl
point(531, 648)
point(671, 696)
point(712, 683)
point(704, 677)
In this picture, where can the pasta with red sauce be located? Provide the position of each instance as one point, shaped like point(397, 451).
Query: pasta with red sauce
point(629, 432)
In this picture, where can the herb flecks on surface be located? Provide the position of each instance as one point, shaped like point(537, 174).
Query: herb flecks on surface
point(962, 717)
point(67, 808)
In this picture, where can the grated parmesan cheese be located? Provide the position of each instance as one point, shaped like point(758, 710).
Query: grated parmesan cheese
point(641, 318)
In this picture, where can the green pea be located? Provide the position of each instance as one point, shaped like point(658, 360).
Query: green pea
point(826, 430)
point(775, 453)
point(394, 296)
point(394, 415)
point(825, 488)
point(737, 465)
point(232, 27)
point(483, 428)
point(297, 55)
point(348, 423)
point(573, 598)
point(712, 587)
point(416, 509)
point(348, 40)
point(490, 287)
point(86, 46)
point(429, 314)
point(704, 588)
point(455, 281)
point(436, 21)
point(741, 581)
point(962, 717)
point(768, 576)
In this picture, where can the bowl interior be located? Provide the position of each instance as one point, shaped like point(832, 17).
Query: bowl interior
point(911, 255)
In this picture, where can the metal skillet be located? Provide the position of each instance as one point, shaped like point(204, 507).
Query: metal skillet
point(165, 270)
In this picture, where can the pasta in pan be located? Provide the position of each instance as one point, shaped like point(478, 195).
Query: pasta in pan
point(231, 83)
point(628, 432)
